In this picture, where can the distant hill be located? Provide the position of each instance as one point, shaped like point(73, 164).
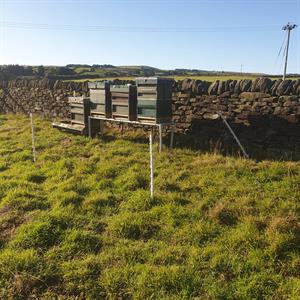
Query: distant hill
point(95, 71)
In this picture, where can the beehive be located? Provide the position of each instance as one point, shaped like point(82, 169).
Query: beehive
point(154, 100)
point(100, 99)
point(78, 122)
point(124, 102)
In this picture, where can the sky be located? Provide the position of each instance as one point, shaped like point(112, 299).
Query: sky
point(222, 35)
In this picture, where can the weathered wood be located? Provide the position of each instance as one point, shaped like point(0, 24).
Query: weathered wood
point(154, 99)
point(124, 102)
point(100, 99)
point(78, 122)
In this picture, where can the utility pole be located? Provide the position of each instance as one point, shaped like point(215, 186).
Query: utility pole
point(289, 27)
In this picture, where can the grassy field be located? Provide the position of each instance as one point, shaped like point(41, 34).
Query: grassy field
point(79, 224)
point(204, 78)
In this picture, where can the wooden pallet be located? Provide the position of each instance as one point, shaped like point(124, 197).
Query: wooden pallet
point(69, 127)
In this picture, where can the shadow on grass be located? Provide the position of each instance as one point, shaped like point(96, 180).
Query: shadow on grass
point(271, 138)
point(265, 138)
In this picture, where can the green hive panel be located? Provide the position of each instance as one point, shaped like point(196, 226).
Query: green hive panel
point(100, 99)
point(124, 100)
point(154, 99)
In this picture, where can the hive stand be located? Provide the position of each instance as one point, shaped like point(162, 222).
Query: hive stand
point(94, 129)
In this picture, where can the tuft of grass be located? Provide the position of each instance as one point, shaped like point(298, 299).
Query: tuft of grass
point(42, 233)
point(80, 278)
point(21, 273)
point(133, 225)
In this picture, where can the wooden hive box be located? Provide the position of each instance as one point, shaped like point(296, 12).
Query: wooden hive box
point(80, 111)
point(124, 102)
point(154, 99)
point(100, 99)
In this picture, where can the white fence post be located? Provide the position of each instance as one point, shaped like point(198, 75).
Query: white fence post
point(33, 138)
point(151, 165)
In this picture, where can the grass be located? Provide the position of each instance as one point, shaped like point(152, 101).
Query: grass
point(204, 78)
point(80, 223)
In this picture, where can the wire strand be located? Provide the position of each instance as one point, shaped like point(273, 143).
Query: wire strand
point(278, 55)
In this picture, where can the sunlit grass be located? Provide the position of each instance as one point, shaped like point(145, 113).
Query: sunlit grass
point(204, 78)
point(80, 224)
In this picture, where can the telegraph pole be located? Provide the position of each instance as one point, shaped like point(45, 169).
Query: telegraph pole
point(289, 27)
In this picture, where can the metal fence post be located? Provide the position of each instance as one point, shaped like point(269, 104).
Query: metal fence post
point(234, 135)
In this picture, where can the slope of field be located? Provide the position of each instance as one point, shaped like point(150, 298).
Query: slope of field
point(80, 224)
point(175, 77)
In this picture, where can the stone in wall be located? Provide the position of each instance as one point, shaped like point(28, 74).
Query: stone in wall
point(262, 85)
point(213, 89)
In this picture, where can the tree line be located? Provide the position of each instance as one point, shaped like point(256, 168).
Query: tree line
point(16, 71)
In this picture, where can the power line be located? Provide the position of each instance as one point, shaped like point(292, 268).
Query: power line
point(282, 59)
point(44, 26)
point(156, 1)
point(275, 66)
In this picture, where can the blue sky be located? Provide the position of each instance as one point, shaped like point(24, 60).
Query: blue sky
point(201, 34)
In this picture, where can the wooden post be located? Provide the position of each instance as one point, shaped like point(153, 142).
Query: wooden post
point(33, 138)
point(101, 126)
point(172, 138)
point(151, 165)
point(90, 126)
point(160, 138)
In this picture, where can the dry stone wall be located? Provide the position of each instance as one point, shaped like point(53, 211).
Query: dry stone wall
point(48, 98)
point(239, 102)
point(263, 112)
